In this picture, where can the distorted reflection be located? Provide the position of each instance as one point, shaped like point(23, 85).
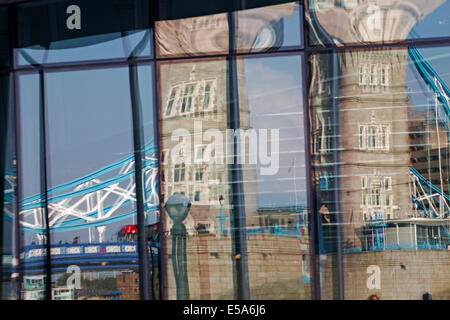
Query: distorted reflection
point(91, 189)
point(193, 119)
point(43, 36)
point(274, 177)
point(261, 29)
point(352, 21)
point(192, 36)
point(31, 204)
point(269, 28)
point(197, 161)
point(392, 158)
point(109, 46)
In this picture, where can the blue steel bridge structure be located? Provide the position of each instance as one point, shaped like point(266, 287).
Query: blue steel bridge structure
point(94, 201)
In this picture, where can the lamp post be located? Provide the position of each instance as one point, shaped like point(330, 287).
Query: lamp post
point(221, 201)
point(177, 207)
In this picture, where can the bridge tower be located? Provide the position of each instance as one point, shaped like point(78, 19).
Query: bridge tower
point(373, 110)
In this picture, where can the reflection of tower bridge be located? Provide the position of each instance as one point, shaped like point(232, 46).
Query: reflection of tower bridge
point(375, 196)
point(95, 200)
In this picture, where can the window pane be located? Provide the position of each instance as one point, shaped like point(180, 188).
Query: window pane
point(269, 28)
point(192, 36)
point(107, 31)
point(92, 196)
point(31, 202)
point(204, 268)
point(352, 22)
point(274, 177)
point(389, 195)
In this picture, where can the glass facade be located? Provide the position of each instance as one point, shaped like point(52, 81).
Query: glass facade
point(236, 150)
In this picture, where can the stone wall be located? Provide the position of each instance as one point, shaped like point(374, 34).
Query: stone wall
point(405, 275)
point(275, 264)
point(276, 270)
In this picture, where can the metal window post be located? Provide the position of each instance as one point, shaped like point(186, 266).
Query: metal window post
point(146, 290)
point(238, 216)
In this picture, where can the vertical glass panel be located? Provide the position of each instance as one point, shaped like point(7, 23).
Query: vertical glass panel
point(273, 170)
point(194, 175)
point(91, 195)
point(269, 28)
point(9, 245)
point(192, 36)
point(385, 178)
point(352, 21)
point(31, 198)
point(107, 30)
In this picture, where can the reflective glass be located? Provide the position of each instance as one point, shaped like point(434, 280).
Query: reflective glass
point(352, 22)
point(193, 124)
point(91, 188)
point(274, 177)
point(254, 184)
point(33, 250)
point(107, 31)
point(192, 36)
point(269, 28)
point(381, 171)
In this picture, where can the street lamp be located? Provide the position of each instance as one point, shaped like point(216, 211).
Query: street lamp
point(177, 207)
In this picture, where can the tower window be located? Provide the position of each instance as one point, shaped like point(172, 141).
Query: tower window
point(187, 98)
point(207, 97)
point(178, 174)
point(171, 101)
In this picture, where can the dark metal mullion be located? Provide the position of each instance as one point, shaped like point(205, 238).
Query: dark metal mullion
point(238, 202)
point(312, 216)
point(154, 11)
point(16, 133)
point(162, 247)
point(44, 184)
point(3, 145)
point(136, 107)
